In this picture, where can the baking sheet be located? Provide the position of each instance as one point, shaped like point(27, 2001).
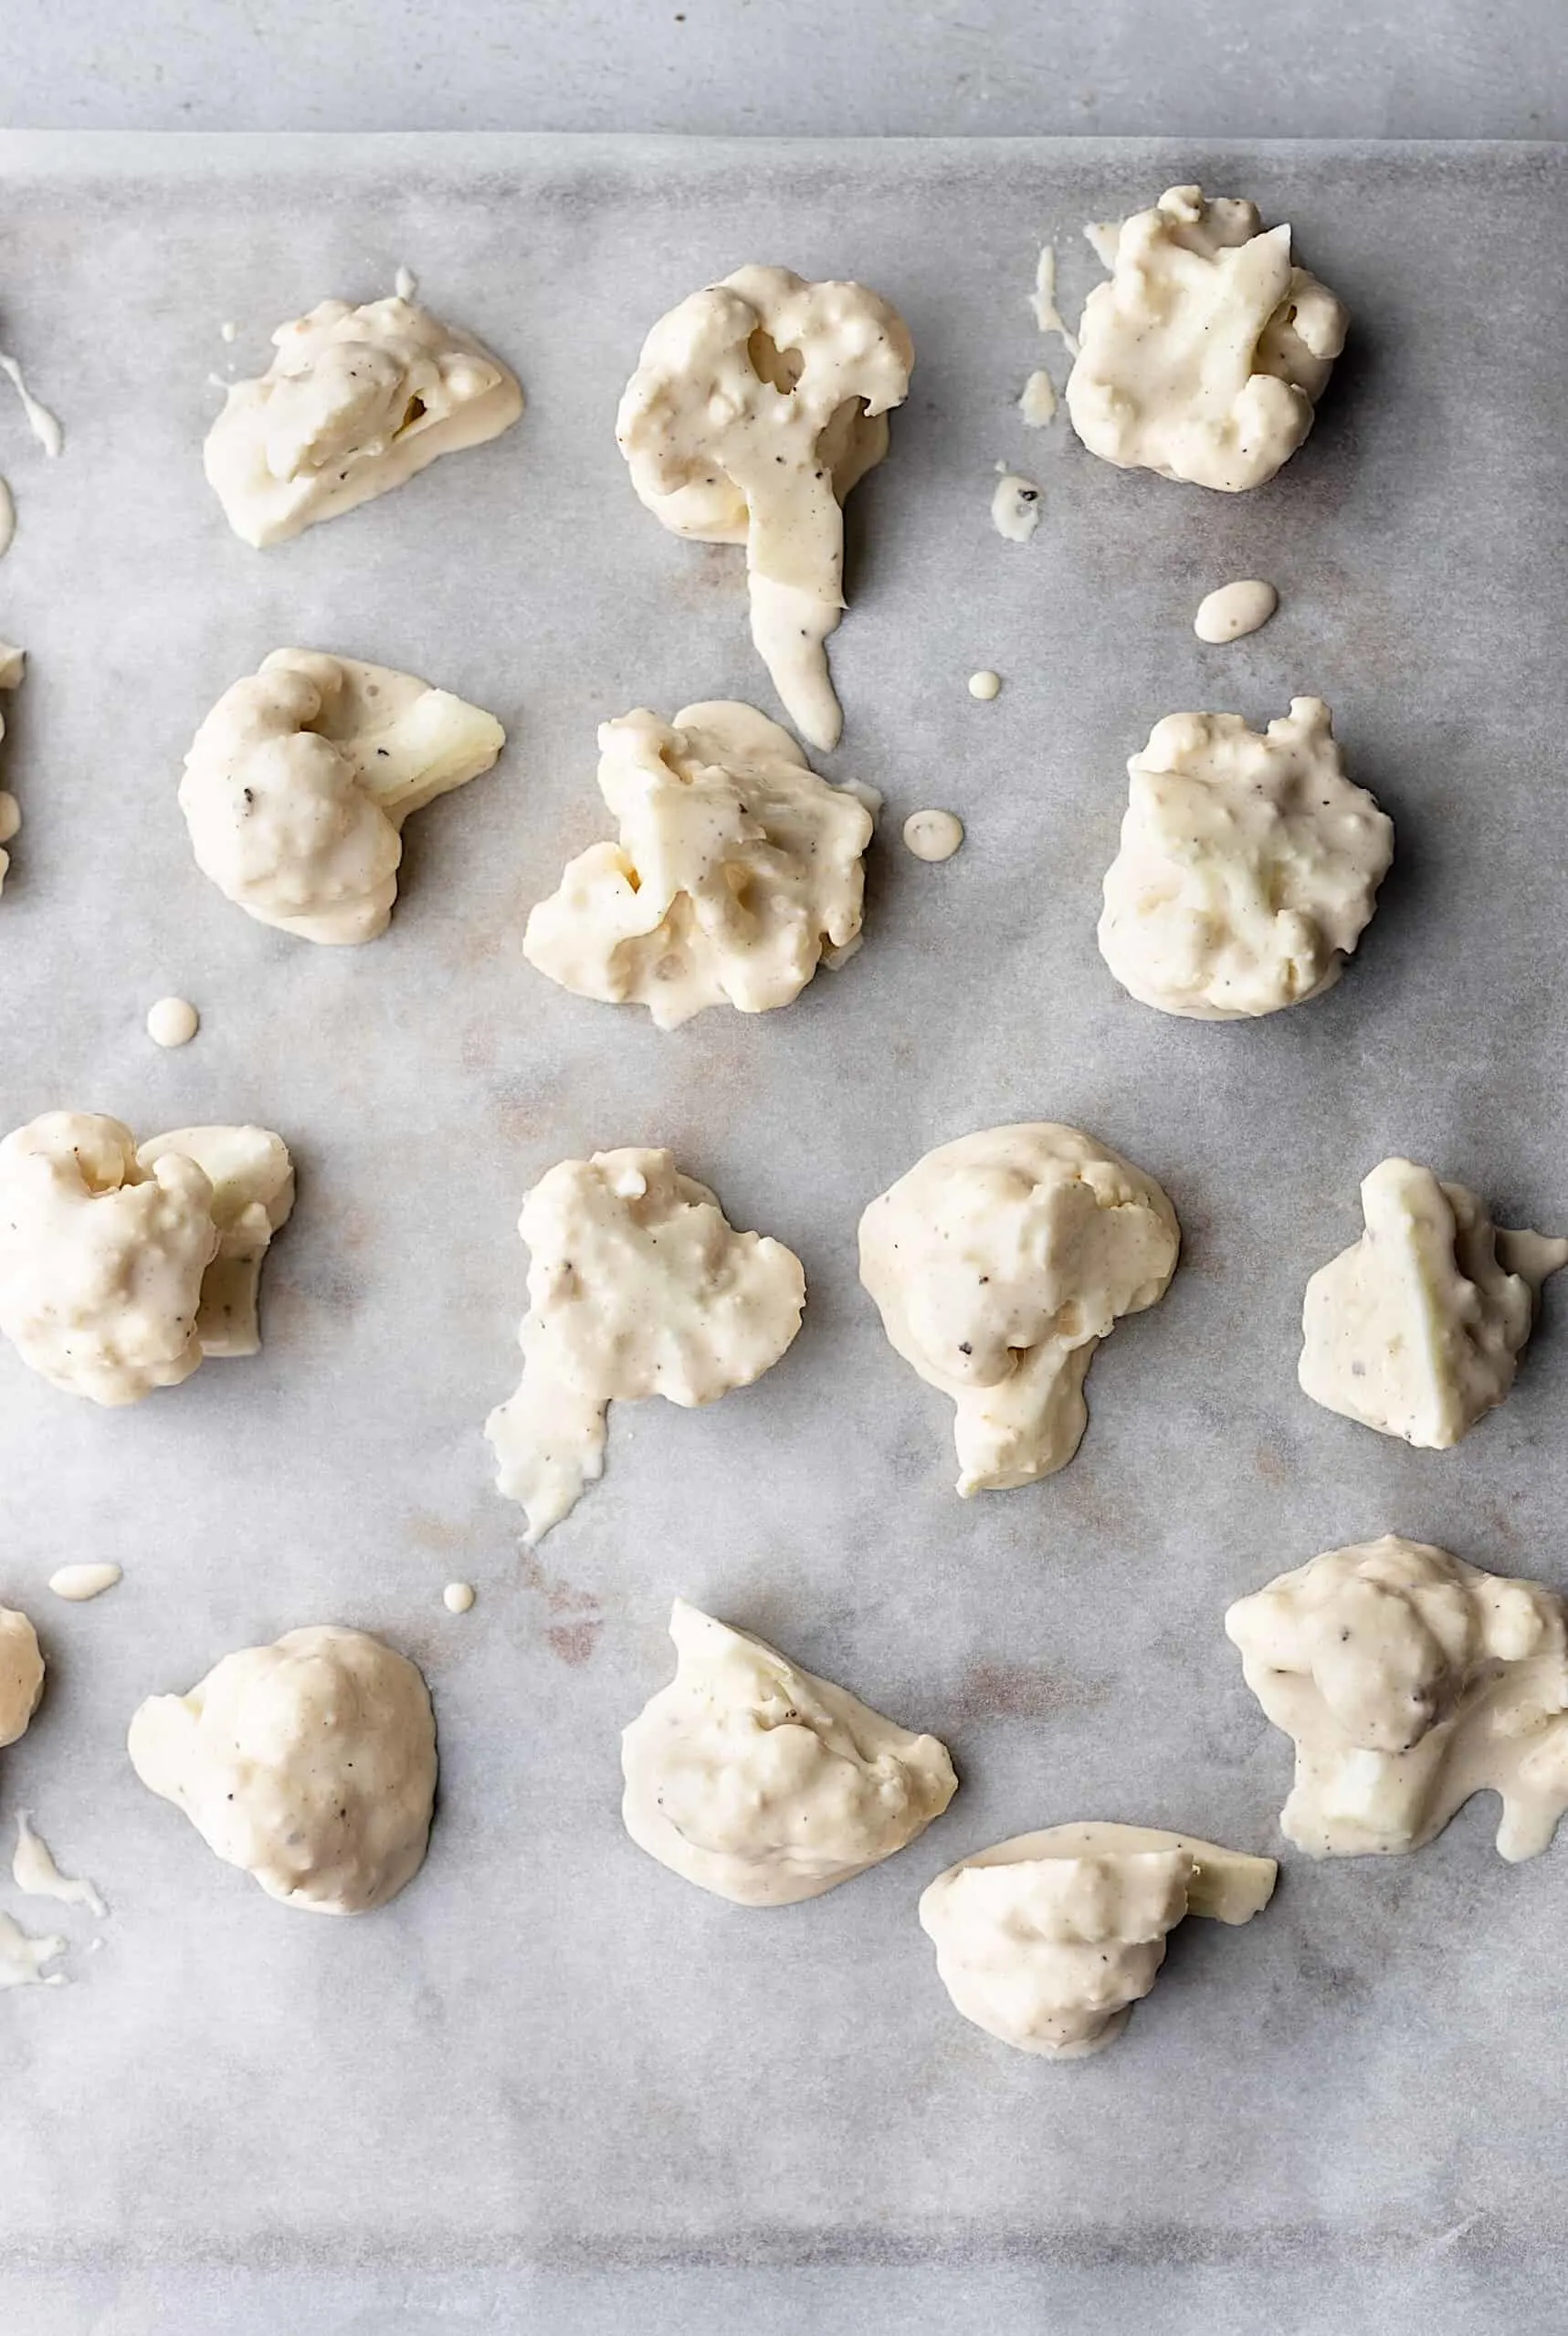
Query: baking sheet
point(552, 2085)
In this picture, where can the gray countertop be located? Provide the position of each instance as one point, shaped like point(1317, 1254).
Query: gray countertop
point(1262, 69)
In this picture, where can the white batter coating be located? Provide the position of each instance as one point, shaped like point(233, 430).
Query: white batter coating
point(755, 407)
point(21, 1674)
point(1248, 867)
point(120, 1270)
point(13, 665)
point(1204, 357)
point(1417, 1327)
point(638, 1286)
point(1410, 1680)
point(737, 871)
point(298, 783)
point(998, 1263)
point(310, 1763)
point(252, 1180)
point(755, 1780)
point(355, 401)
point(1047, 1940)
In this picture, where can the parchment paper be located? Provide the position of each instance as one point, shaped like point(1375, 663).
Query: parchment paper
point(552, 2085)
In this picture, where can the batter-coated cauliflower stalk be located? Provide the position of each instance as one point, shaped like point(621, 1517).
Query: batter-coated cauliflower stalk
point(755, 407)
point(299, 782)
point(13, 664)
point(357, 401)
point(21, 1674)
point(1248, 867)
point(764, 1785)
point(1205, 356)
point(309, 1764)
point(638, 1286)
point(1416, 1329)
point(1410, 1680)
point(998, 1263)
point(737, 872)
point(1047, 1940)
point(121, 1269)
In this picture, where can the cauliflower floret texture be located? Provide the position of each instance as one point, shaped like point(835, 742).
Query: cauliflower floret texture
point(310, 1763)
point(12, 664)
point(755, 407)
point(638, 1286)
point(298, 783)
point(120, 1270)
point(357, 401)
point(737, 871)
point(1410, 1680)
point(1248, 867)
point(1047, 1940)
point(756, 1781)
point(21, 1674)
point(1416, 1329)
point(1204, 357)
point(998, 1263)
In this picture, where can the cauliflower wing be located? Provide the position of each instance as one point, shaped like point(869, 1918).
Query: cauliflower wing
point(357, 401)
point(737, 871)
point(298, 783)
point(756, 406)
point(120, 1270)
point(1204, 357)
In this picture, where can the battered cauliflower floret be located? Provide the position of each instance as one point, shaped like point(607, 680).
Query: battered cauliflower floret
point(299, 782)
point(1204, 357)
point(755, 407)
point(120, 1270)
point(21, 1674)
point(309, 1764)
point(357, 401)
point(12, 666)
point(763, 1784)
point(1046, 1941)
point(1248, 867)
point(638, 1286)
point(738, 870)
point(998, 1263)
point(1410, 1680)
point(1416, 1329)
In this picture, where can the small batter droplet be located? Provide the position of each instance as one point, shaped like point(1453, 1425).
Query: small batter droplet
point(77, 1582)
point(984, 684)
point(1235, 609)
point(934, 835)
point(173, 1022)
point(1038, 403)
point(10, 817)
point(1015, 506)
point(457, 1597)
